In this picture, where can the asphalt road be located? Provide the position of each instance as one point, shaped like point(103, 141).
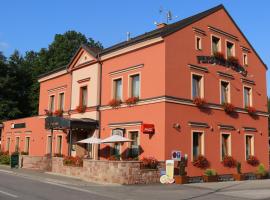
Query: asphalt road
point(19, 186)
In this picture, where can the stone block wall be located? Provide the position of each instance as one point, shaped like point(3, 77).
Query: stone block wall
point(120, 172)
point(35, 162)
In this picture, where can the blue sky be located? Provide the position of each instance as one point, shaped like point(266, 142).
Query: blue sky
point(31, 24)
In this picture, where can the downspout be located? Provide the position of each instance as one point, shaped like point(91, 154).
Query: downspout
point(98, 108)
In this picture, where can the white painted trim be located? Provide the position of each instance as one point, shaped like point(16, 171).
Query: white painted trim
point(130, 85)
point(126, 69)
point(25, 144)
point(202, 142)
point(57, 89)
point(56, 149)
point(252, 144)
point(202, 84)
point(251, 95)
point(51, 76)
point(49, 102)
point(230, 144)
point(220, 43)
point(47, 143)
point(243, 59)
point(200, 43)
point(139, 137)
point(58, 100)
point(16, 142)
point(113, 87)
point(229, 41)
point(229, 90)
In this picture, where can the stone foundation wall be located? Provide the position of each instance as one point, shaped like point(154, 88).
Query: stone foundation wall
point(35, 162)
point(120, 172)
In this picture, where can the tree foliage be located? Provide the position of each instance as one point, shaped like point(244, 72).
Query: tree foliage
point(19, 89)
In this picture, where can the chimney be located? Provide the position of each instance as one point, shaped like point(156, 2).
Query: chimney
point(161, 25)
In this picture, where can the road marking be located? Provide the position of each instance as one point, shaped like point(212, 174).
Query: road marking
point(8, 194)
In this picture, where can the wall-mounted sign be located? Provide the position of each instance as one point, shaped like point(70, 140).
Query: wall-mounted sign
point(148, 128)
point(176, 155)
point(118, 131)
point(19, 125)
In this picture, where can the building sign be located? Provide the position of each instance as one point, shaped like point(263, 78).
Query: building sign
point(19, 125)
point(176, 155)
point(118, 131)
point(212, 60)
point(148, 128)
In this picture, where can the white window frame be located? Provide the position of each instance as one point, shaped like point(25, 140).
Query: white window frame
point(233, 52)
point(47, 144)
point(130, 83)
point(252, 144)
point(230, 144)
point(202, 84)
point(200, 43)
point(56, 149)
point(202, 142)
point(229, 90)
point(58, 100)
point(243, 55)
point(139, 138)
point(28, 145)
point(219, 46)
point(18, 143)
point(49, 103)
point(113, 87)
point(8, 144)
point(251, 95)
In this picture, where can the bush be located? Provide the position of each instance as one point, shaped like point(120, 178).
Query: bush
point(229, 161)
point(201, 162)
point(4, 159)
point(149, 163)
point(261, 170)
point(73, 161)
point(210, 172)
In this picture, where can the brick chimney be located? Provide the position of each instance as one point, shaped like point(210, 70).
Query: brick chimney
point(161, 25)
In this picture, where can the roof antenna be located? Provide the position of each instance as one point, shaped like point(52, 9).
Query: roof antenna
point(128, 36)
point(165, 16)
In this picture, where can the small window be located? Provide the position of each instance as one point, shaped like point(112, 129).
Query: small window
point(197, 86)
point(135, 85)
point(247, 97)
point(59, 144)
point(215, 44)
point(249, 146)
point(198, 44)
point(17, 144)
point(8, 145)
point(83, 96)
point(49, 144)
point(51, 105)
point(245, 59)
point(225, 145)
point(61, 101)
point(224, 92)
point(197, 148)
point(229, 49)
point(117, 87)
point(27, 144)
point(134, 145)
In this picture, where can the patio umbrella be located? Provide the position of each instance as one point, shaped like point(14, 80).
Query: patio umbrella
point(91, 140)
point(115, 139)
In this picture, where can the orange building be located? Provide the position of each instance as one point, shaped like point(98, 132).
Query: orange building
point(197, 86)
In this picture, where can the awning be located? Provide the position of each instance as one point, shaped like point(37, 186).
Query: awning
point(115, 139)
point(91, 140)
point(60, 123)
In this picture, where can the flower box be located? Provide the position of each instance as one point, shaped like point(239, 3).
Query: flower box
point(115, 103)
point(58, 113)
point(219, 56)
point(201, 162)
point(199, 101)
point(253, 161)
point(228, 108)
point(233, 60)
point(229, 161)
point(239, 177)
point(251, 110)
point(80, 109)
point(132, 100)
point(181, 179)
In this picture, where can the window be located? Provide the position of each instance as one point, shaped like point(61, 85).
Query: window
point(117, 88)
point(224, 86)
point(225, 145)
point(83, 96)
point(245, 59)
point(134, 145)
point(27, 144)
point(8, 144)
point(135, 85)
point(198, 43)
point(197, 86)
point(51, 105)
point(249, 146)
point(247, 97)
point(229, 49)
point(197, 147)
point(17, 144)
point(59, 144)
point(61, 101)
point(215, 44)
point(49, 143)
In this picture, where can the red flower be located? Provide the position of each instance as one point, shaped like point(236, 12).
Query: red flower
point(253, 160)
point(201, 162)
point(251, 110)
point(80, 109)
point(48, 113)
point(228, 107)
point(199, 101)
point(115, 103)
point(132, 100)
point(58, 113)
point(233, 60)
point(149, 163)
point(219, 56)
point(229, 161)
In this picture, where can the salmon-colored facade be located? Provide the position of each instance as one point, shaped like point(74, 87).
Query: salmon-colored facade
point(162, 73)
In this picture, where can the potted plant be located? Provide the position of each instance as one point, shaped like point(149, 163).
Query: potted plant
point(80, 109)
point(251, 110)
point(233, 60)
point(210, 175)
point(201, 162)
point(132, 100)
point(58, 113)
point(228, 108)
point(115, 103)
point(261, 172)
point(229, 161)
point(198, 101)
point(253, 161)
point(239, 176)
point(182, 178)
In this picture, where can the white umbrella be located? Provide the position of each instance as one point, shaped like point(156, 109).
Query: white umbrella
point(91, 140)
point(115, 139)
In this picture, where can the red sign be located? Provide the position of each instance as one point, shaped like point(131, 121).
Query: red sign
point(148, 128)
